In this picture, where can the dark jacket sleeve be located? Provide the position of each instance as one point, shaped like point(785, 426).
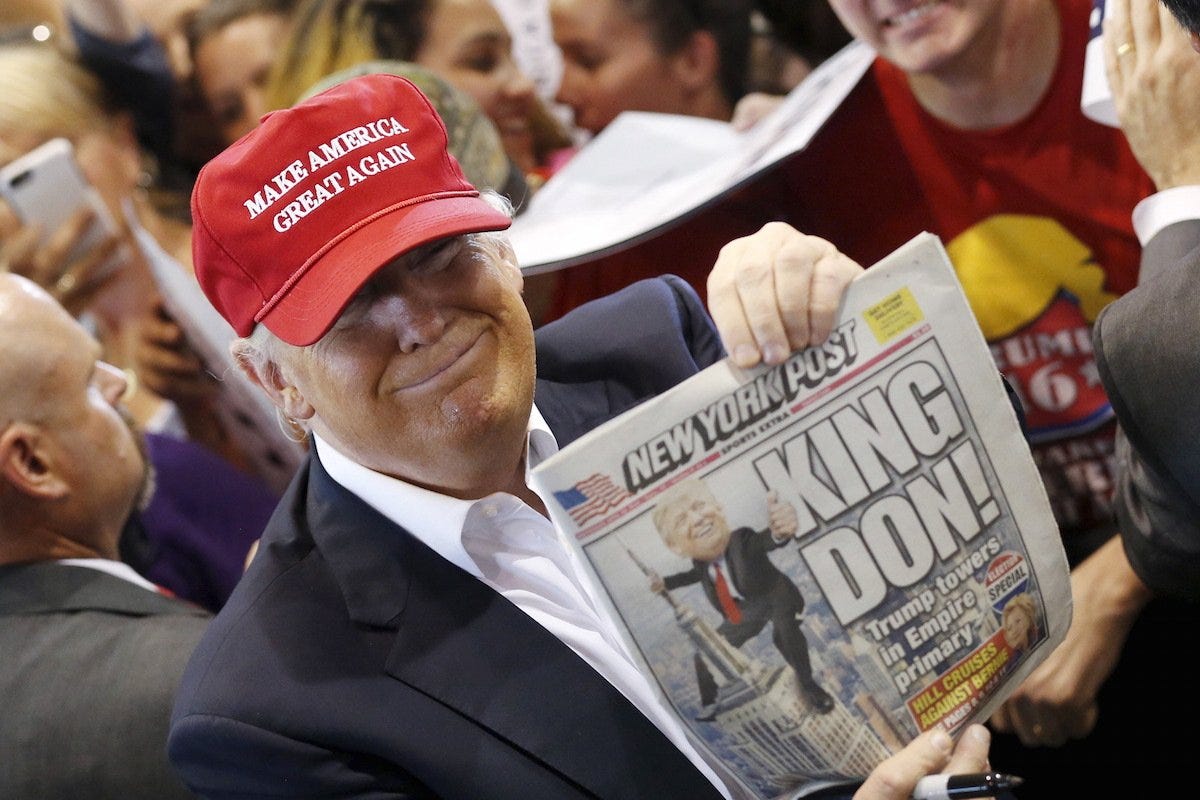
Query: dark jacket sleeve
point(607, 356)
point(1145, 346)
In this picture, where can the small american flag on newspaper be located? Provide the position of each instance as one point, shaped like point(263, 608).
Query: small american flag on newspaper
point(591, 497)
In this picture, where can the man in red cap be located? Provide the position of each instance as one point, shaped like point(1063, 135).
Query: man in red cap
point(412, 626)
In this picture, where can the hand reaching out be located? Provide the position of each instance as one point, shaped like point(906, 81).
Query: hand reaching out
point(1057, 702)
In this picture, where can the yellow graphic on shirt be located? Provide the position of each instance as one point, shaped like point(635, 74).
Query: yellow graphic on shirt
point(1012, 267)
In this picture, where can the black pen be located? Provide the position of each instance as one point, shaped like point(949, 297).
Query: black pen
point(959, 787)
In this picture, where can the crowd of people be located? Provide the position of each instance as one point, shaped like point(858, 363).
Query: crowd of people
point(402, 619)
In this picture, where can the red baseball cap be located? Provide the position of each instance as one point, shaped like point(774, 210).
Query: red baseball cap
point(293, 218)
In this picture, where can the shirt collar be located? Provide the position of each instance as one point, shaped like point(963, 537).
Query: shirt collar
point(116, 568)
point(436, 519)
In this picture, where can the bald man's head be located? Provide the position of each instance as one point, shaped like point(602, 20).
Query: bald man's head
point(71, 467)
point(27, 313)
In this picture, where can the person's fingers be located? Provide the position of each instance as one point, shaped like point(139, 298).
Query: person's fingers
point(65, 237)
point(768, 313)
point(739, 269)
point(1144, 25)
point(1001, 720)
point(1046, 725)
point(1028, 722)
point(752, 108)
point(162, 330)
point(79, 284)
point(831, 277)
point(895, 776)
point(775, 292)
point(971, 751)
point(18, 253)
point(1118, 45)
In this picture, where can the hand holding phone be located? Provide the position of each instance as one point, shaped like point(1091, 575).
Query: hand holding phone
point(67, 240)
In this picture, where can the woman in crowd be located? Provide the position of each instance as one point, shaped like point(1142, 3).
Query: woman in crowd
point(651, 55)
point(465, 41)
point(182, 539)
point(233, 45)
point(47, 96)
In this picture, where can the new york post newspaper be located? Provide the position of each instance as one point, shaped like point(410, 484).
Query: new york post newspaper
point(817, 561)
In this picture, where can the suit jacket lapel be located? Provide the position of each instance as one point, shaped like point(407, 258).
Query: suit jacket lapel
point(465, 645)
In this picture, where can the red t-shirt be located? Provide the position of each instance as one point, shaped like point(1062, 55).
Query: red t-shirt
point(1036, 219)
point(1035, 216)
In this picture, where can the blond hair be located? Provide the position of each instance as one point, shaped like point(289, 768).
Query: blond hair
point(1022, 602)
point(48, 94)
point(685, 490)
point(327, 36)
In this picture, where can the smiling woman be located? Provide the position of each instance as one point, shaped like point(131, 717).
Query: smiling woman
point(651, 55)
point(233, 44)
point(463, 41)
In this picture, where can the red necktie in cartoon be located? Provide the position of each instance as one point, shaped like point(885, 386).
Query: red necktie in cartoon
point(728, 605)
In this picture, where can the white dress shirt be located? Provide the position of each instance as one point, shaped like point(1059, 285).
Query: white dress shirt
point(1165, 208)
point(116, 568)
point(516, 551)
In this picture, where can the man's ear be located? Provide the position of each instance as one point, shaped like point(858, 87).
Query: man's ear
point(270, 378)
point(697, 63)
point(1195, 37)
point(508, 263)
point(27, 464)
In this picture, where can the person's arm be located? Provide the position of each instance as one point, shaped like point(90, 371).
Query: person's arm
point(1155, 79)
point(1160, 526)
point(1153, 68)
point(1057, 702)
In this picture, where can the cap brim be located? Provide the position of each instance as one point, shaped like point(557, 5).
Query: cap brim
point(318, 296)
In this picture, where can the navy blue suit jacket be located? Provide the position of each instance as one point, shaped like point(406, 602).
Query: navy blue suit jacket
point(353, 661)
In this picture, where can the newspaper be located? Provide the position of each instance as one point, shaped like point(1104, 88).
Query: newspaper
point(242, 407)
point(647, 172)
point(884, 477)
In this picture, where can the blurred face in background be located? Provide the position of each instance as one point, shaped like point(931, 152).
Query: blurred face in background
point(923, 37)
point(232, 66)
point(168, 21)
point(467, 43)
point(611, 64)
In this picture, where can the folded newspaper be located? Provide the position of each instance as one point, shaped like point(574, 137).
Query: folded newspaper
point(648, 172)
point(243, 409)
point(817, 561)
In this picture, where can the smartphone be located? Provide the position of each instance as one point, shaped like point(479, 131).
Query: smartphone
point(45, 186)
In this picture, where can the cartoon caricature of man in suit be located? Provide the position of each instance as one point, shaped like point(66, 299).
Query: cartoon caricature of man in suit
point(738, 577)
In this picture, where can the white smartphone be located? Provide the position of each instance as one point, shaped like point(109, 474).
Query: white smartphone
point(45, 186)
